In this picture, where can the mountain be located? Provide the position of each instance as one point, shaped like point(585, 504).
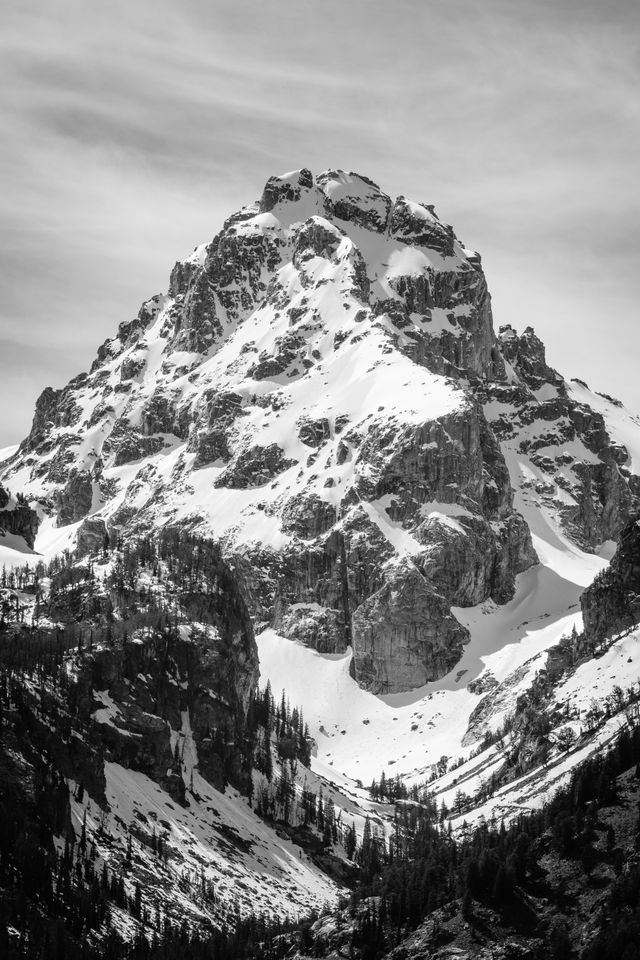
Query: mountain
point(315, 459)
point(322, 391)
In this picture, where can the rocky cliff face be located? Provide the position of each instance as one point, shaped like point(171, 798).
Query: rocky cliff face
point(570, 464)
point(612, 602)
point(129, 682)
point(17, 518)
point(145, 672)
point(322, 391)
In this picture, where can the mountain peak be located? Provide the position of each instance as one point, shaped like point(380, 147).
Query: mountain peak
point(310, 394)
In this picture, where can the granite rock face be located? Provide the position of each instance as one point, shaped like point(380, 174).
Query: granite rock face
point(139, 688)
point(322, 392)
point(611, 603)
point(93, 536)
point(74, 500)
point(43, 418)
point(17, 517)
point(404, 634)
point(444, 495)
point(575, 469)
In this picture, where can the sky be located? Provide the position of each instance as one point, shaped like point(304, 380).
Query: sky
point(130, 130)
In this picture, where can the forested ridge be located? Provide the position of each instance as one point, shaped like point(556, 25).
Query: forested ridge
point(61, 904)
point(561, 882)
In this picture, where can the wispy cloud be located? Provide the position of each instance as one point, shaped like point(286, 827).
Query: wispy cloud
point(130, 130)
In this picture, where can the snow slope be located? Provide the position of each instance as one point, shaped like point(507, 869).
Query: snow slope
point(360, 735)
point(215, 843)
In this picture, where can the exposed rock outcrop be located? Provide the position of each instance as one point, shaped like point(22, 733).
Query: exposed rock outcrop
point(404, 634)
point(75, 499)
point(139, 687)
point(612, 603)
point(574, 468)
point(92, 537)
point(442, 491)
point(17, 517)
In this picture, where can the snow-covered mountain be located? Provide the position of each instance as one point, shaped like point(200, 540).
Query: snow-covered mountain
point(317, 391)
point(409, 504)
point(298, 395)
